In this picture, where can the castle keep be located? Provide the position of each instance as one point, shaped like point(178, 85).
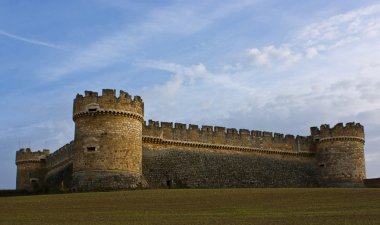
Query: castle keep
point(113, 148)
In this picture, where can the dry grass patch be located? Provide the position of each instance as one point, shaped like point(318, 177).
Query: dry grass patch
point(197, 206)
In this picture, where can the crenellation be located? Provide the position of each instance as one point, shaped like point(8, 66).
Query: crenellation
point(193, 133)
point(244, 132)
point(278, 142)
point(278, 138)
point(92, 103)
point(206, 134)
point(152, 129)
point(109, 94)
point(246, 140)
point(303, 143)
point(219, 135)
point(27, 155)
point(180, 132)
point(219, 130)
point(90, 94)
point(290, 140)
point(314, 131)
point(232, 137)
point(267, 134)
point(257, 133)
point(124, 97)
point(167, 130)
point(225, 136)
point(180, 126)
point(339, 130)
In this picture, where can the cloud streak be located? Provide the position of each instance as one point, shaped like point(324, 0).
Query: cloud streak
point(314, 39)
point(121, 45)
point(30, 41)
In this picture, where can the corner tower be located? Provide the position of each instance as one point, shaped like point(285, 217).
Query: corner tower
point(107, 141)
point(340, 154)
point(31, 169)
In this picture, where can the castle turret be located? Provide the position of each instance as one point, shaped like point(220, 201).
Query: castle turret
point(340, 154)
point(108, 141)
point(31, 169)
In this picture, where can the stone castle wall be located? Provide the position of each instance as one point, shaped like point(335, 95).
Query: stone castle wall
point(114, 149)
point(216, 157)
point(59, 168)
point(62, 156)
point(180, 167)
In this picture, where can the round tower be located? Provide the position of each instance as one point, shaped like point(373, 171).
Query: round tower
point(340, 155)
point(107, 141)
point(31, 169)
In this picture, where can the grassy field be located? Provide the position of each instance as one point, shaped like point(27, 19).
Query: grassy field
point(197, 206)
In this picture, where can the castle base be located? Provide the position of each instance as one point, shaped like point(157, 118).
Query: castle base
point(107, 180)
point(342, 184)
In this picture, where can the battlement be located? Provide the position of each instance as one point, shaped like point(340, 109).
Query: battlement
point(227, 136)
point(353, 129)
point(27, 155)
point(91, 102)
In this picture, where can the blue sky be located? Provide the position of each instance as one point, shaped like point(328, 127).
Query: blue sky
point(271, 65)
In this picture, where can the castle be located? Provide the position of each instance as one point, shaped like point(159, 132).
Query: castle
point(113, 148)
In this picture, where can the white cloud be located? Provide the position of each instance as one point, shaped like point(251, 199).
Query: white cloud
point(311, 52)
point(273, 56)
point(30, 41)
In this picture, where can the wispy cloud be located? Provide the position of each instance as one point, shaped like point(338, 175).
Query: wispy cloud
point(271, 55)
point(119, 45)
point(322, 36)
point(30, 41)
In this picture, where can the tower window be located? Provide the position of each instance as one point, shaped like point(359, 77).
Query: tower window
point(91, 149)
point(33, 180)
point(322, 165)
point(93, 107)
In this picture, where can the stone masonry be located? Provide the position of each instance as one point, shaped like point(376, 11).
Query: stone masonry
point(113, 148)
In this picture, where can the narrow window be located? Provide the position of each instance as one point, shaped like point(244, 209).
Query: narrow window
point(91, 149)
point(33, 180)
point(322, 165)
point(92, 109)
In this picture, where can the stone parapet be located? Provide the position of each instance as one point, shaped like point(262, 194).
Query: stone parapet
point(27, 155)
point(228, 136)
point(108, 102)
point(339, 130)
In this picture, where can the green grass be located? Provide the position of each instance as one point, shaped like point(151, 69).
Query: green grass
point(197, 206)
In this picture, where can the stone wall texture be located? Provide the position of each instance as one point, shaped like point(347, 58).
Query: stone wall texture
point(183, 168)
